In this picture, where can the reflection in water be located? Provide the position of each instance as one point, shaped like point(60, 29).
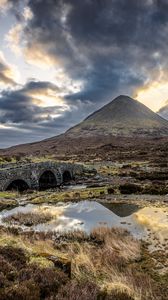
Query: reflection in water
point(122, 209)
point(75, 187)
point(149, 223)
point(84, 215)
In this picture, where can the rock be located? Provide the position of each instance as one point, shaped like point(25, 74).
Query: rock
point(61, 263)
point(159, 266)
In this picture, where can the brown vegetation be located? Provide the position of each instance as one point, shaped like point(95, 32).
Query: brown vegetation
point(28, 219)
point(24, 281)
point(106, 264)
point(130, 188)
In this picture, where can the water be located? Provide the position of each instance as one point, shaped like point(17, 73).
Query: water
point(149, 223)
point(122, 209)
point(75, 187)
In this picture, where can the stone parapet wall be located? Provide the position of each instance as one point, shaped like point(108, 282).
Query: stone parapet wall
point(31, 172)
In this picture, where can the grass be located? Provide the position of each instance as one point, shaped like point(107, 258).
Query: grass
point(7, 204)
point(106, 264)
point(33, 159)
point(28, 219)
point(8, 195)
point(88, 193)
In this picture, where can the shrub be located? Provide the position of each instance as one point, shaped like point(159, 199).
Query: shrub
point(130, 188)
point(110, 190)
point(28, 219)
point(16, 256)
point(75, 291)
point(47, 279)
point(27, 290)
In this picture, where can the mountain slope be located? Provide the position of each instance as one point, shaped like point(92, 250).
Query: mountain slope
point(124, 120)
point(163, 112)
point(123, 116)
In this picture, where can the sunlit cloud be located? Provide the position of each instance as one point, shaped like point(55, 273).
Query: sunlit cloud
point(66, 84)
point(45, 94)
point(153, 95)
point(5, 126)
point(35, 55)
point(8, 73)
point(4, 5)
point(47, 98)
point(75, 56)
point(34, 103)
point(27, 13)
point(13, 38)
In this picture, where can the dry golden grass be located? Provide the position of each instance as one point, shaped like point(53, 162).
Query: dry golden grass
point(104, 257)
point(103, 262)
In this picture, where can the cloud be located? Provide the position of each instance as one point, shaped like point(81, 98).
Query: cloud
point(10, 5)
point(3, 5)
point(22, 119)
point(7, 72)
point(109, 47)
point(104, 44)
point(25, 105)
point(22, 107)
point(13, 38)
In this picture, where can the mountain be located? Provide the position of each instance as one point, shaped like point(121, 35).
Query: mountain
point(123, 116)
point(163, 112)
point(122, 122)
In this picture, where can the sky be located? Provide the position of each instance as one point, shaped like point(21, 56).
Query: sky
point(60, 60)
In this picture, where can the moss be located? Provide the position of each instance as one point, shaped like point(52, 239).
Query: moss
point(8, 195)
point(88, 193)
point(7, 204)
point(148, 265)
point(41, 261)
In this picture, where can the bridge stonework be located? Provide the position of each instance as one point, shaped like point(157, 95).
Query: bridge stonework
point(31, 173)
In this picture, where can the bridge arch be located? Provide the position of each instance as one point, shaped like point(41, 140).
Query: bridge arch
point(66, 176)
point(17, 185)
point(47, 180)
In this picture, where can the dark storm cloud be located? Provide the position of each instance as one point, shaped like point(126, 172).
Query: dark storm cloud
point(39, 86)
point(111, 45)
point(26, 121)
point(17, 105)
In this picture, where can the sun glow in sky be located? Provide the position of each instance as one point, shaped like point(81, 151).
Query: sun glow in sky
point(154, 96)
point(62, 59)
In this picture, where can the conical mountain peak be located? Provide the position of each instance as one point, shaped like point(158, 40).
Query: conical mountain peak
point(122, 116)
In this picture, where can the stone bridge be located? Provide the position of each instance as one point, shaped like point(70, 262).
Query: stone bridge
point(39, 176)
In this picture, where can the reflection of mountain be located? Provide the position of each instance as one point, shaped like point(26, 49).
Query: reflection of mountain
point(122, 209)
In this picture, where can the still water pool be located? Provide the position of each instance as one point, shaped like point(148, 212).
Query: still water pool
point(148, 223)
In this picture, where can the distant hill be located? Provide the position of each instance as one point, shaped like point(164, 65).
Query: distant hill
point(163, 112)
point(123, 120)
point(123, 116)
